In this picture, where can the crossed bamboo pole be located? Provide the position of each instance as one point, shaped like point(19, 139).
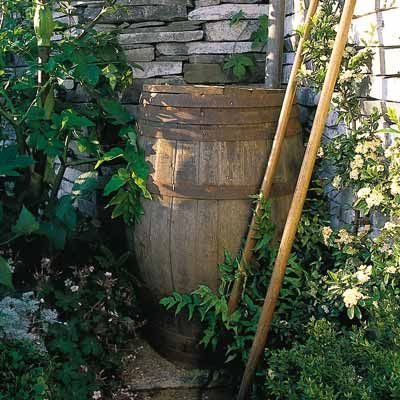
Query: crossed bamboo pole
point(273, 159)
point(298, 199)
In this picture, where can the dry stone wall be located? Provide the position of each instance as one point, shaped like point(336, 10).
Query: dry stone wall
point(183, 40)
point(377, 23)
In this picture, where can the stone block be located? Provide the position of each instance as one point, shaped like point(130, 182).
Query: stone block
point(140, 54)
point(158, 68)
point(157, 37)
point(206, 3)
point(170, 12)
point(225, 11)
point(207, 59)
point(223, 30)
point(204, 48)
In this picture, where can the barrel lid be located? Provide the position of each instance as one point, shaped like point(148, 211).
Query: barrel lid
point(209, 89)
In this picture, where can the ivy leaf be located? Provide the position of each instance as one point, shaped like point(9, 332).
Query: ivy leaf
point(69, 119)
point(66, 213)
point(116, 112)
point(89, 73)
point(237, 17)
point(85, 184)
point(239, 63)
point(56, 234)
point(115, 183)
point(260, 36)
point(11, 161)
point(114, 153)
point(5, 273)
point(26, 223)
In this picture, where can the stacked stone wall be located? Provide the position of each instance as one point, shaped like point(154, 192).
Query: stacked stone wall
point(182, 41)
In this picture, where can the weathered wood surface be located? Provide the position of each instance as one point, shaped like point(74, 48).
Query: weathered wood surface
point(201, 192)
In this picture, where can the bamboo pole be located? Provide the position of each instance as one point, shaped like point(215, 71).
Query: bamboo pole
point(298, 199)
point(276, 33)
point(273, 159)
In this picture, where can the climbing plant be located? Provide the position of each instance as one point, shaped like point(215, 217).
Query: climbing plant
point(46, 133)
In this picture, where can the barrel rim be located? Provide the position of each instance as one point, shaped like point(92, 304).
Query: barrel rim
point(208, 89)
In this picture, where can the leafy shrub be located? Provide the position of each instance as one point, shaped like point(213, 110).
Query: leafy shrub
point(25, 372)
point(44, 133)
point(337, 365)
point(97, 302)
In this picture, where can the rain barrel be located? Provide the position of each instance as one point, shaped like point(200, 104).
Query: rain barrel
point(207, 147)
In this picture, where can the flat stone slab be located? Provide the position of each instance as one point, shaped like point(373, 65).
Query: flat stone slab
point(147, 376)
point(226, 11)
point(221, 31)
point(205, 48)
point(170, 12)
point(158, 68)
point(155, 37)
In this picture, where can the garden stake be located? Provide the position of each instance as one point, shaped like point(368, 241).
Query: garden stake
point(296, 208)
point(276, 33)
point(273, 159)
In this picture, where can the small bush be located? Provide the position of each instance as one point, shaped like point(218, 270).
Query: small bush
point(24, 371)
point(333, 365)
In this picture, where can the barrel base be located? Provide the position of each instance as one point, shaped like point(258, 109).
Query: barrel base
point(177, 339)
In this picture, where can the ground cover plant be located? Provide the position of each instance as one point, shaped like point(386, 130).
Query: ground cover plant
point(335, 331)
point(68, 302)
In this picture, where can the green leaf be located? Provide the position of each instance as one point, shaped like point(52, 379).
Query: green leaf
point(26, 223)
point(55, 233)
point(115, 183)
point(114, 153)
point(5, 273)
point(11, 161)
point(85, 184)
point(115, 112)
point(66, 213)
point(239, 63)
point(237, 17)
point(69, 119)
point(350, 312)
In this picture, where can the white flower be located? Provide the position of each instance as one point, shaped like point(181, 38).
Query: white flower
point(374, 199)
point(68, 283)
point(395, 188)
point(354, 174)
point(320, 152)
point(391, 270)
point(363, 275)
point(337, 181)
point(351, 297)
point(91, 269)
point(346, 76)
point(363, 193)
point(96, 395)
point(344, 237)
point(326, 233)
point(108, 274)
point(74, 288)
point(390, 226)
point(357, 163)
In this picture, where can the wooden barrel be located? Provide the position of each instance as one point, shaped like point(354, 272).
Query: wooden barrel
point(207, 147)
